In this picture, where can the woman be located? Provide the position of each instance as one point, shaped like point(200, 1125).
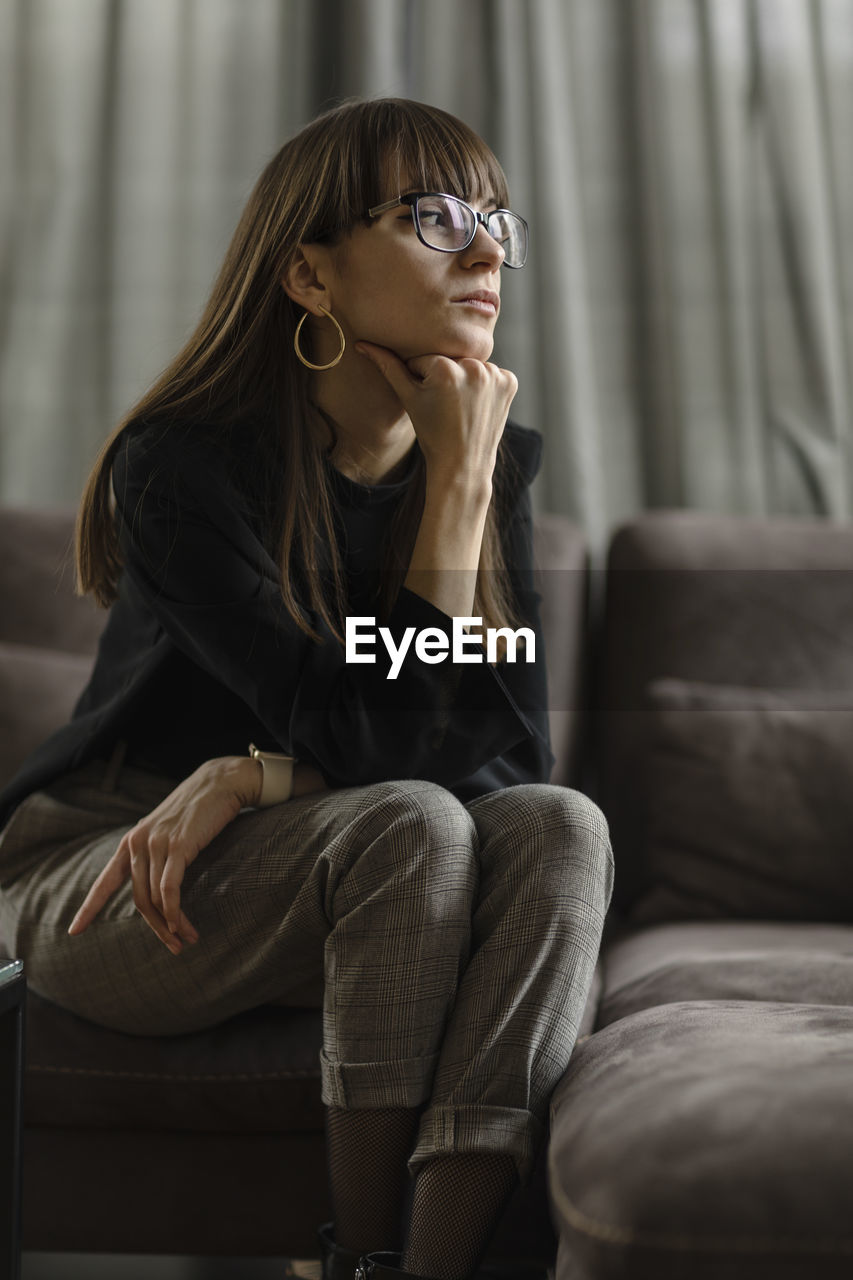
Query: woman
point(332, 444)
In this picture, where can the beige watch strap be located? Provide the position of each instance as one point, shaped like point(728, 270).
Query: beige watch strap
point(277, 785)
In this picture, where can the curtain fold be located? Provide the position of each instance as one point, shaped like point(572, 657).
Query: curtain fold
point(682, 332)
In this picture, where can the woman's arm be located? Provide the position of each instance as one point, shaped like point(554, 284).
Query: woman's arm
point(458, 409)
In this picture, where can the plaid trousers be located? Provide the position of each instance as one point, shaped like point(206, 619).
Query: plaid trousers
point(451, 946)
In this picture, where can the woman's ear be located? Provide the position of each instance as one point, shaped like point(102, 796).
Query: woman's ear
point(302, 283)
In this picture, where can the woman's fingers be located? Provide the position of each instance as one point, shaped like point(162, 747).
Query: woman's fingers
point(392, 368)
point(139, 871)
point(458, 407)
point(111, 878)
point(157, 851)
point(170, 898)
point(186, 928)
point(156, 857)
point(165, 872)
point(407, 377)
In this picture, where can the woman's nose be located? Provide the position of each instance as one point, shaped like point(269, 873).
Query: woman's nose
point(484, 248)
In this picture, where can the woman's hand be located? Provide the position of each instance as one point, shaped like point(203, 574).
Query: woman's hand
point(158, 850)
point(458, 408)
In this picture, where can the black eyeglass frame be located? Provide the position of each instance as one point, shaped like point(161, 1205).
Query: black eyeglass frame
point(411, 199)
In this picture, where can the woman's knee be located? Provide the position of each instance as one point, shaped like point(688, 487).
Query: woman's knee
point(552, 830)
point(418, 833)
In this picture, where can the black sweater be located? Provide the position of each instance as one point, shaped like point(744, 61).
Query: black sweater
point(199, 655)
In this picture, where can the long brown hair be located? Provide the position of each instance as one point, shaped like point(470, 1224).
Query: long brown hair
point(238, 369)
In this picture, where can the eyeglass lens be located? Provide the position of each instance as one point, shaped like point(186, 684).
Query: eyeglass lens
point(448, 224)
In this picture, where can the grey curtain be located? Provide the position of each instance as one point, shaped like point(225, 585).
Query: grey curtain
point(682, 333)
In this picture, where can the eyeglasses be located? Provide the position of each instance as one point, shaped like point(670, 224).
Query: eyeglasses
point(448, 224)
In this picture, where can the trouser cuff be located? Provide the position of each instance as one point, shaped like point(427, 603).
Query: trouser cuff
point(496, 1130)
point(373, 1085)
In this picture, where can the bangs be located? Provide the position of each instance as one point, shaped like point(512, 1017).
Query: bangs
point(364, 153)
point(439, 153)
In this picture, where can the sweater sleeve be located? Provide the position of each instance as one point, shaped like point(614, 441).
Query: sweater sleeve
point(530, 759)
point(191, 551)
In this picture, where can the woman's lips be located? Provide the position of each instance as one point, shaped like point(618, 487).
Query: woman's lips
point(482, 300)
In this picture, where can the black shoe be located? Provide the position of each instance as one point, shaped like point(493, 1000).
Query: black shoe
point(338, 1264)
point(384, 1266)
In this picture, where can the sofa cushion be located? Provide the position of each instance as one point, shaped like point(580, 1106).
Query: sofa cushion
point(757, 602)
point(726, 960)
point(38, 690)
point(707, 1139)
point(257, 1073)
point(749, 804)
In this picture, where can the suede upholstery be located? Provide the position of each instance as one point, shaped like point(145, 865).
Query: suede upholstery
point(705, 1129)
point(748, 804)
point(209, 1143)
point(708, 1139)
point(726, 960)
point(717, 599)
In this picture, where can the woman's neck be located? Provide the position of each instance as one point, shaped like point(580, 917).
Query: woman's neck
point(373, 431)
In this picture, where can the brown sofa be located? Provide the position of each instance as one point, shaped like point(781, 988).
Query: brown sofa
point(209, 1143)
point(705, 1129)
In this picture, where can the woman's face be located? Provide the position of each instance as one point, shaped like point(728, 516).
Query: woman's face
point(386, 287)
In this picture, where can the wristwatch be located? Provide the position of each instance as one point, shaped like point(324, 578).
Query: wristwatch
point(277, 785)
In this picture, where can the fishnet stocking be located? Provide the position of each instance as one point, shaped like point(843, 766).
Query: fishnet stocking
point(367, 1153)
point(455, 1208)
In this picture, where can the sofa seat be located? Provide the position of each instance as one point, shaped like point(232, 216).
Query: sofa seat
point(726, 960)
point(257, 1073)
point(660, 1166)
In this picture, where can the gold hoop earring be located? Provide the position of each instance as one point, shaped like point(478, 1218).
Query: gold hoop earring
point(300, 356)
